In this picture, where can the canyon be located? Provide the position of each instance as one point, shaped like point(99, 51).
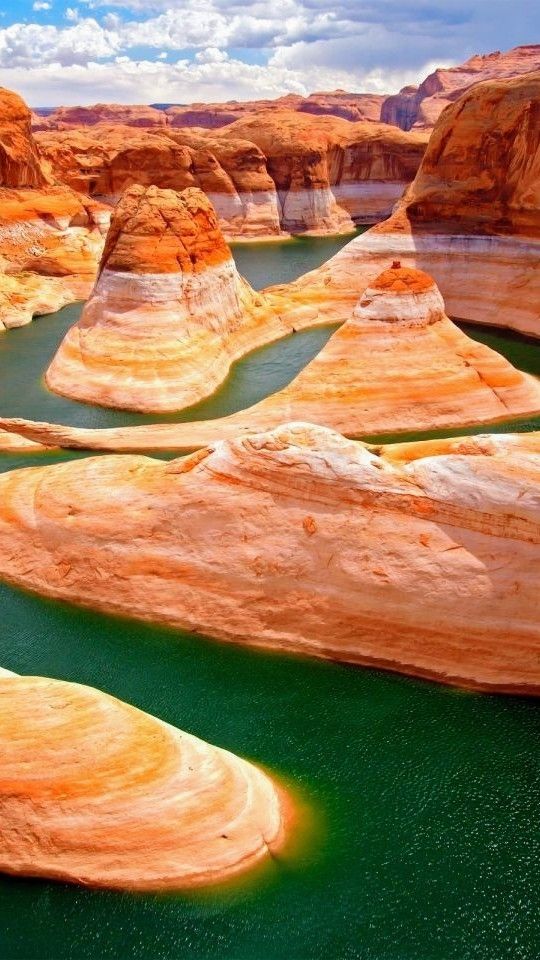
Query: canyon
point(51, 237)
point(398, 364)
point(469, 218)
point(96, 792)
point(299, 540)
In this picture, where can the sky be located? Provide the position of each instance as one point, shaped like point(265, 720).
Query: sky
point(182, 51)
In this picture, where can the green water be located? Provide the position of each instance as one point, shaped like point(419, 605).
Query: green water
point(424, 842)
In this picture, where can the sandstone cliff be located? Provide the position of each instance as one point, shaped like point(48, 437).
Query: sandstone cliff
point(169, 312)
point(50, 236)
point(96, 792)
point(421, 106)
point(423, 561)
point(470, 217)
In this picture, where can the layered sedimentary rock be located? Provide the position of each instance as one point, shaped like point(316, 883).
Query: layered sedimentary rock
point(423, 562)
point(330, 173)
point(96, 792)
point(398, 364)
point(470, 217)
point(169, 312)
point(130, 115)
point(420, 107)
point(50, 237)
point(262, 178)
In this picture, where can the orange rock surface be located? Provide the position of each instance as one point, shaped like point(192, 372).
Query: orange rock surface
point(96, 792)
point(420, 107)
point(131, 115)
point(50, 237)
point(424, 563)
point(470, 217)
point(397, 365)
point(272, 172)
point(329, 172)
point(169, 312)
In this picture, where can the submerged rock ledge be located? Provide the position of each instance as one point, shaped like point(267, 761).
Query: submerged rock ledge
point(419, 558)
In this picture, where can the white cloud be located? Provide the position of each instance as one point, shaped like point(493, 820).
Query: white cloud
point(211, 55)
point(41, 5)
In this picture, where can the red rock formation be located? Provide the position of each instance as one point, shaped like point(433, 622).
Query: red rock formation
point(169, 312)
point(125, 114)
point(423, 561)
point(50, 237)
point(19, 158)
point(327, 171)
point(470, 218)
point(421, 106)
point(96, 792)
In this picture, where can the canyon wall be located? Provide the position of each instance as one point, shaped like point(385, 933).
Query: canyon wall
point(420, 107)
point(470, 218)
point(51, 237)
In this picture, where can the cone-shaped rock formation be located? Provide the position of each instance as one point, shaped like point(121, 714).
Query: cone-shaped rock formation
point(97, 792)
point(399, 364)
point(423, 561)
point(169, 312)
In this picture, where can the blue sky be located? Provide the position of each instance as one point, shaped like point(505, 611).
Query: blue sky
point(140, 51)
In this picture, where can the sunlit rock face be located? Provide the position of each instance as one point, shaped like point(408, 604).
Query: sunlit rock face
point(398, 364)
point(50, 237)
point(96, 792)
point(169, 312)
point(131, 115)
point(470, 218)
point(330, 173)
point(420, 107)
point(421, 560)
point(263, 179)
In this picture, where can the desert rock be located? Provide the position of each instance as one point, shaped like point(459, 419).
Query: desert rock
point(423, 561)
point(96, 792)
point(169, 312)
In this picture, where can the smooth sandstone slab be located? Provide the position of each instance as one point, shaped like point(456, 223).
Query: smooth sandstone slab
point(169, 313)
point(399, 364)
point(96, 792)
point(423, 560)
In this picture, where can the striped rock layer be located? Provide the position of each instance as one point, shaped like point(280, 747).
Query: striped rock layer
point(422, 559)
point(398, 365)
point(97, 792)
point(169, 312)
point(471, 218)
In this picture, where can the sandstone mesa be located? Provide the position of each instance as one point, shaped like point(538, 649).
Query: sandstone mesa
point(300, 540)
point(96, 792)
point(470, 218)
point(169, 312)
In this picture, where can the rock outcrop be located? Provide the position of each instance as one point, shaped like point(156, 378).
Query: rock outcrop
point(339, 103)
point(397, 365)
point(50, 236)
point(422, 561)
point(261, 176)
point(420, 107)
point(129, 115)
point(330, 173)
point(169, 312)
point(471, 218)
point(96, 792)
